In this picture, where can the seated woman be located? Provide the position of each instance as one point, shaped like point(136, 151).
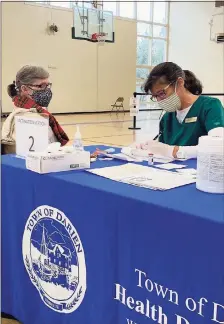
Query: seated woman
point(30, 93)
point(188, 115)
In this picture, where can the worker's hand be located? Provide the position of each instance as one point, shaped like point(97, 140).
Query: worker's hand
point(157, 148)
point(139, 146)
point(143, 146)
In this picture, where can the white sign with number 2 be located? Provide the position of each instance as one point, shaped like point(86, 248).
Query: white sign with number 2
point(31, 134)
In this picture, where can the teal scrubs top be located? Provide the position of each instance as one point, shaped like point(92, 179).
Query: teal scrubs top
point(205, 114)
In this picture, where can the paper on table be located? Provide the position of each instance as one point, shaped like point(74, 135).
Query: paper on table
point(188, 171)
point(117, 171)
point(170, 166)
point(145, 177)
point(105, 159)
point(120, 156)
point(143, 155)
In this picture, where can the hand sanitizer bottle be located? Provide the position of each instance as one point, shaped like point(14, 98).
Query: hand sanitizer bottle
point(78, 140)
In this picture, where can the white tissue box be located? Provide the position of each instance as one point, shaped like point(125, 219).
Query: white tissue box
point(43, 162)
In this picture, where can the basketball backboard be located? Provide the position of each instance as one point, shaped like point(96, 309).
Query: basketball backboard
point(90, 21)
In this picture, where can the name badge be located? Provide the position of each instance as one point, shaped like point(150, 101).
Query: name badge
point(191, 120)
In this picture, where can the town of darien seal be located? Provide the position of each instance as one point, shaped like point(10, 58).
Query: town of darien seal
point(54, 259)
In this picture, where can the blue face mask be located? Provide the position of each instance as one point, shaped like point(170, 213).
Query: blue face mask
point(42, 97)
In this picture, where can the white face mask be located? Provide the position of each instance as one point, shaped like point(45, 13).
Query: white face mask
point(171, 103)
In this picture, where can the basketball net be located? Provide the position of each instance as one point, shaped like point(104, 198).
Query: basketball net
point(101, 39)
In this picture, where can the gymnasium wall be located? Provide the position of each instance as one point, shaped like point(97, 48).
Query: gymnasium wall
point(85, 76)
point(190, 44)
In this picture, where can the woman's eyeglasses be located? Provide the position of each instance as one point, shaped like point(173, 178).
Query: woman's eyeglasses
point(160, 94)
point(42, 86)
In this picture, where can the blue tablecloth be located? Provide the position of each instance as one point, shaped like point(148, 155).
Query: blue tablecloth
point(149, 256)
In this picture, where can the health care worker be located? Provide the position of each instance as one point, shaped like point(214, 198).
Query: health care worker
point(188, 114)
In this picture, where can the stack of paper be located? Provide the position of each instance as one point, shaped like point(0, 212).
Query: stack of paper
point(143, 176)
point(123, 157)
point(119, 156)
point(143, 155)
point(170, 166)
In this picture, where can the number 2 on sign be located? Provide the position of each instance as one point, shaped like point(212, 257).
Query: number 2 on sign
point(31, 147)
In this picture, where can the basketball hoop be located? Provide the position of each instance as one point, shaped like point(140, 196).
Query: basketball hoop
point(99, 37)
point(97, 4)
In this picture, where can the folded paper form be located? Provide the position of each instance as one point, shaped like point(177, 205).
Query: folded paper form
point(144, 176)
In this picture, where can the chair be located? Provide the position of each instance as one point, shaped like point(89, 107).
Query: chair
point(118, 104)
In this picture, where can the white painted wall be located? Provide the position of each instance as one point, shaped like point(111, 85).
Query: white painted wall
point(190, 46)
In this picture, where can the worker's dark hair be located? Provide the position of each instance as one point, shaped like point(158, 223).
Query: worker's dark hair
point(169, 72)
point(191, 83)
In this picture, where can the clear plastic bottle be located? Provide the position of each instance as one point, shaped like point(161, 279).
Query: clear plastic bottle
point(78, 140)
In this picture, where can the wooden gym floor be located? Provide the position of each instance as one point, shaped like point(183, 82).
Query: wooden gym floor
point(111, 129)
